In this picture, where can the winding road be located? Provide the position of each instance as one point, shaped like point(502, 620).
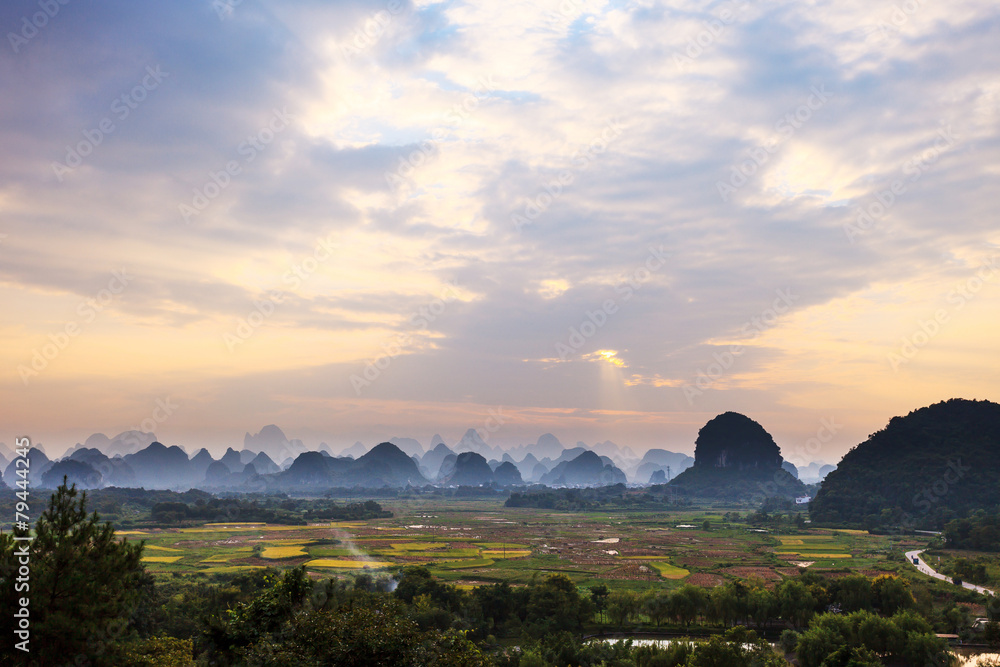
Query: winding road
point(926, 569)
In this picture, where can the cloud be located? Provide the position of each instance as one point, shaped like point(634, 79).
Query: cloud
point(532, 156)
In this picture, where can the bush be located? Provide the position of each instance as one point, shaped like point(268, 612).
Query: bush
point(789, 639)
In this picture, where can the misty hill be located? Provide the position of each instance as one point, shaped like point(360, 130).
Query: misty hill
point(433, 459)
point(231, 459)
point(660, 460)
point(355, 451)
point(409, 446)
point(263, 464)
point(385, 465)
point(507, 474)
point(735, 458)
point(473, 442)
point(76, 472)
point(587, 469)
point(273, 441)
point(527, 466)
point(161, 467)
point(538, 472)
point(934, 464)
point(815, 472)
point(38, 464)
point(471, 469)
point(114, 472)
point(200, 463)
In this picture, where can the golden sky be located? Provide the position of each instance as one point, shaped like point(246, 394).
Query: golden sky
point(606, 220)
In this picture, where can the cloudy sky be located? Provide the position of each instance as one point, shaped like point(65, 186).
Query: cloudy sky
point(607, 220)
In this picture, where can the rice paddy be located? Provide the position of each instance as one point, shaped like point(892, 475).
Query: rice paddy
point(481, 541)
point(348, 564)
point(276, 553)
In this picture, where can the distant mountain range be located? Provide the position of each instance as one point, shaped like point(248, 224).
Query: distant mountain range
point(270, 460)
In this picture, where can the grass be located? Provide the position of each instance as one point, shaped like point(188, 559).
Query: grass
point(231, 569)
point(668, 571)
point(465, 564)
point(418, 546)
point(218, 558)
point(509, 553)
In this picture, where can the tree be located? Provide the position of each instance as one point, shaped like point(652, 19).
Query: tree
point(796, 602)
point(892, 594)
point(84, 583)
point(687, 602)
point(599, 598)
point(656, 604)
point(555, 605)
point(621, 606)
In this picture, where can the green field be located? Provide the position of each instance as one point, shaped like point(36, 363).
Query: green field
point(480, 541)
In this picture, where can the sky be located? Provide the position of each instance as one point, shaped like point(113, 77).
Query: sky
point(604, 220)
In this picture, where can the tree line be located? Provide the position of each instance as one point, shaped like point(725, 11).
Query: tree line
point(92, 602)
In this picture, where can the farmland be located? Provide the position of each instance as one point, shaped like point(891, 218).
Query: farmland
point(472, 542)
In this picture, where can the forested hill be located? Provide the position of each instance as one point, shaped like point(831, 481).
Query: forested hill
point(922, 470)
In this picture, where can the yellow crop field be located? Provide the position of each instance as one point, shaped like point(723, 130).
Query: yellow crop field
point(158, 548)
point(668, 571)
point(791, 541)
point(131, 532)
point(348, 564)
point(510, 553)
point(812, 555)
point(283, 552)
point(161, 559)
